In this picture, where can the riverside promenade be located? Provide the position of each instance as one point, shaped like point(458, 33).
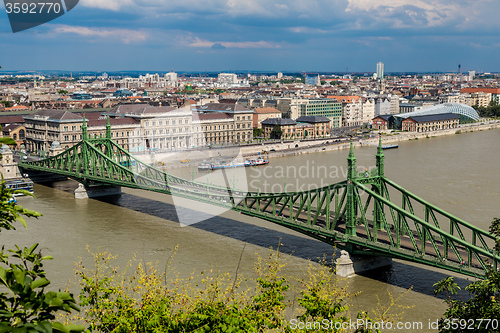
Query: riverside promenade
point(388, 137)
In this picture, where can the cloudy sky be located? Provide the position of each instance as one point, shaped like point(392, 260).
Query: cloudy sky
point(267, 35)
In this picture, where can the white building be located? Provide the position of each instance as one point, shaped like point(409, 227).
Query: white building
point(368, 110)
point(227, 79)
point(380, 70)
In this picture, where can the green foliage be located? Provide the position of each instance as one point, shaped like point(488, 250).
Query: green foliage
point(10, 211)
point(147, 300)
point(492, 110)
point(276, 132)
point(62, 92)
point(26, 306)
point(483, 304)
point(473, 314)
point(495, 230)
point(446, 285)
point(258, 132)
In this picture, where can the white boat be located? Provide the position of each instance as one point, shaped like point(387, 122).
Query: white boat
point(20, 184)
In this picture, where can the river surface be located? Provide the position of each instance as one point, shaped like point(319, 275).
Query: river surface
point(458, 173)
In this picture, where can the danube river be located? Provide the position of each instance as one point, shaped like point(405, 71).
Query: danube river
point(458, 173)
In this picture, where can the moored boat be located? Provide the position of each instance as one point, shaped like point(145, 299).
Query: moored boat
point(20, 184)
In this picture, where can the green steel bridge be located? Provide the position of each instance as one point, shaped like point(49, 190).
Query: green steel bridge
point(367, 214)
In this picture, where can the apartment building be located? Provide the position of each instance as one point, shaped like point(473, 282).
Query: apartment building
point(262, 114)
point(160, 127)
point(242, 129)
point(47, 126)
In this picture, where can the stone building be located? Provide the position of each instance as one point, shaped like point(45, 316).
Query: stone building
point(16, 132)
point(160, 127)
point(286, 125)
point(431, 122)
point(262, 114)
point(242, 118)
point(381, 122)
point(46, 126)
point(320, 127)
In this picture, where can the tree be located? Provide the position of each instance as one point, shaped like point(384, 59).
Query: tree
point(495, 230)
point(6, 103)
point(477, 313)
point(26, 306)
point(277, 132)
point(258, 132)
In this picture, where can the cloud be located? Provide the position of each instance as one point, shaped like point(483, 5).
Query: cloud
point(125, 35)
point(107, 4)
point(202, 43)
point(307, 30)
point(218, 46)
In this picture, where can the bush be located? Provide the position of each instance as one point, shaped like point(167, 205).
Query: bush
point(149, 300)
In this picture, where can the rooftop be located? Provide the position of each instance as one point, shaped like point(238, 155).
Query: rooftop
point(434, 117)
point(279, 121)
point(266, 110)
point(312, 119)
point(223, 107)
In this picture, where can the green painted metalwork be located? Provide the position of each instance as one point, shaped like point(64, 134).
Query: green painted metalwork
point(359, 214)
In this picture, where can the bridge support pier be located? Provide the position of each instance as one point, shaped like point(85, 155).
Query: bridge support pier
point(84, 192)
point(347, 265)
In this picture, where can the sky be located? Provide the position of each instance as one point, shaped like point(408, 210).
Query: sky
point(260, 35)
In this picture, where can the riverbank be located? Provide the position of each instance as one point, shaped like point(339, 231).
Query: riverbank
point(387, 138)
point(172, 160)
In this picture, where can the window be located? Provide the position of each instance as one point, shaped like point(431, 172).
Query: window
point(65, 128)
point(73, 128)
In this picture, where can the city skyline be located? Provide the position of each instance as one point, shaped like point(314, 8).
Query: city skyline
point(254, 35)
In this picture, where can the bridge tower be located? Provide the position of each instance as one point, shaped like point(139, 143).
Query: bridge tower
point(377, 187)
point(351, 211)
point(348, 264)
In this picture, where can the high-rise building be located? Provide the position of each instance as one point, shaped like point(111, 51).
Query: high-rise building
point(227, 78)
point(380, 70)
point(313, 80)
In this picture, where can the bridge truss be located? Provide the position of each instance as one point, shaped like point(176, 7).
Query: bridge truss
point(366, 214)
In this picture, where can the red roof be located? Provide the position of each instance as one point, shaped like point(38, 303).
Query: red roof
point(485, 90)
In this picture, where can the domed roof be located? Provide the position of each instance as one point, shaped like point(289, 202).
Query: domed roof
point(465, 112)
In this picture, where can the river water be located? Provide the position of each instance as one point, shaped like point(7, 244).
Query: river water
point(458, 173)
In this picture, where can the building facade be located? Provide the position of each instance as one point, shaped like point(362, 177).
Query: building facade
point(242, 129)
point(45, 127)
point(329, 108)
point(160, 127)
point(286, 125)
point(262, 114)
point(430, 122)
